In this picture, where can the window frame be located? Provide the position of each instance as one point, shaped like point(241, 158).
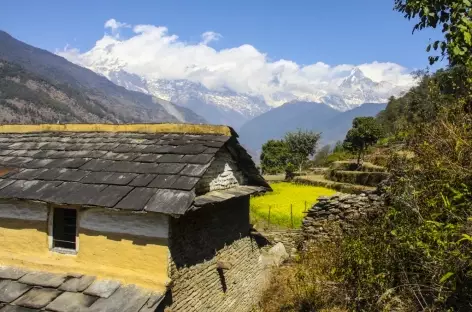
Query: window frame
point(62, 250)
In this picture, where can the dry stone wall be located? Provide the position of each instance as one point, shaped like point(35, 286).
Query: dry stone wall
point(216, 264)
point(332, 216)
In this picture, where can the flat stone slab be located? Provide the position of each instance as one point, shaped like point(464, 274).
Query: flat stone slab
point(77, 284)
point(43, 279)
point(16, 309)
point(37, 298)
point(125, 299)
point(69, 301)
point(152, 303)
point(11, 273)
point(11, 290)
point(103, 288)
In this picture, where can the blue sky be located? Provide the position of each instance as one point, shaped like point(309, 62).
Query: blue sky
point(306, 32)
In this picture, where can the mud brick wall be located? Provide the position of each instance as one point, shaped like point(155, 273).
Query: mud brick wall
point(215, 262)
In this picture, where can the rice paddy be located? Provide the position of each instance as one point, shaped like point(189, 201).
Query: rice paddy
point(286, 197)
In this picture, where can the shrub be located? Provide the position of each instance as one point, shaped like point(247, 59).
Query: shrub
point(357, 177)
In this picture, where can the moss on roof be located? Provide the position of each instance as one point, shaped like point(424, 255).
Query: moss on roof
point(138, 128)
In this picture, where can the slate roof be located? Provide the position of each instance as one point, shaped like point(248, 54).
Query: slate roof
point(28, 291)
point(154, 172)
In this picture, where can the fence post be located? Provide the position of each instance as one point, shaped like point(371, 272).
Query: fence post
point(291, 215)
point(268, 221)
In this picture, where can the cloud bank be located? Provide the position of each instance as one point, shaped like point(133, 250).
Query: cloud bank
point(152, 52)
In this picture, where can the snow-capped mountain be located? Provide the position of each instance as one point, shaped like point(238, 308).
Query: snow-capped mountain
point(224, 105)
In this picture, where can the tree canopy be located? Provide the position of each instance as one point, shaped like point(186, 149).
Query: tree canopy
point(274, 156)
point(365, 132)
point(301, 144)
point(455, 16)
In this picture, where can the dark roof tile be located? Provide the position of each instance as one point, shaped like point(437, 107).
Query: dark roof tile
point(170, 201)
point(136, 199)
point(148, 157)
point(198, 159)
point(169, 168)
point(97, 165)
point(185, 183)
point(109, 196)
point(72, 175)
point(163, 181)
point(142, 179)
point(194, 170)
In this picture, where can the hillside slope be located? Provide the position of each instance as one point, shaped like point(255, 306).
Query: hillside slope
point(60, 83)
point(275, 123)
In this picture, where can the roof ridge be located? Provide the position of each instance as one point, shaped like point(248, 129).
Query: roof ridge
point(137, 128)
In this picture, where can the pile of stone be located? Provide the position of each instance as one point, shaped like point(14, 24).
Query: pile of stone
point(332, 216)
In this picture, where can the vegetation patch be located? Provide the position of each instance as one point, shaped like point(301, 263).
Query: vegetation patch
point(287, 204)
point(357, 177)
point(352, 166)
point(318, 180)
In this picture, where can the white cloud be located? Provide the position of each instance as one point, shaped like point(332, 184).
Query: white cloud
point(210, 36)
point(155, 54)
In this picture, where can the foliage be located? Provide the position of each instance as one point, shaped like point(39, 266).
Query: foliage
point(306, 284)
point(285, 194)
point(321, 157)
point(301, 144)
point(274, 156)
point(455, 16)
point(365, 132)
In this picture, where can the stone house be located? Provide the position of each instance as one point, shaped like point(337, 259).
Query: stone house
point(127, 218)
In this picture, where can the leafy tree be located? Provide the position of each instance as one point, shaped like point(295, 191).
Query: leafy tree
point(301, 144)
point(274, 156)
point(321, 156)
point(365, 132)
point(455, 16)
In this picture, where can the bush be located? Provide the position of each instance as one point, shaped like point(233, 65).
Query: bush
point(352, 166)
point(357, 177)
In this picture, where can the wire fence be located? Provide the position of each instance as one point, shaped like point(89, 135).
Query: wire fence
point(286, 215)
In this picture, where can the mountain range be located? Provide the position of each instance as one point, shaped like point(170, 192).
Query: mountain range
point(224, 105)
point(39, 86)
point(291, 116)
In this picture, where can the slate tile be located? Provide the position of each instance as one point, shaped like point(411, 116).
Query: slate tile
point(38, 163)
point(194, 170)
point(125, 299)
point(5, 152)
point(109, 196)
point(123, 166)
point(190, 149)
point(14, 161)
point(5, 183)
point(11, 290)
point(7, 272)
point(44, 279)
point(28, 174)
point(16, 188)
point(96, 177)
point(72, 175)
point(108, 146)
point(72, 163)
point(170, 201)
point(120, 156)
point(76, 193)
point(38, 189)
point(211, 150)
point(70, 301)
point(142, 180)
point(97, 165)
point(152, 303)
point(163, 181)
point(219, 138)
point(198, 159)
point(214, 144)
point(37, 298)
point(148, 157)
point(170, 158)
point(50, 174)
point(147, 168)
point(44, 154)
point(102, 288)
point(136, 199)
point(185, 183)
point(170, 168)
point(77, 284)
point(10, 308)
point(124, 148)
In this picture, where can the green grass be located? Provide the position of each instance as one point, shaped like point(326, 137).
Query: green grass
point(284, 195)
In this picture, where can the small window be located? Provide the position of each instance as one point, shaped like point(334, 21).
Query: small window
point(64, 228)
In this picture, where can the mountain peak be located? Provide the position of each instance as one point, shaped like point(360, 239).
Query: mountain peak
point(356, 72)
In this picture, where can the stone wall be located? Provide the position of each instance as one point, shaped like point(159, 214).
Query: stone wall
point(216, 264)
point(291, 239)
point(332, 216)
point(223, 173)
